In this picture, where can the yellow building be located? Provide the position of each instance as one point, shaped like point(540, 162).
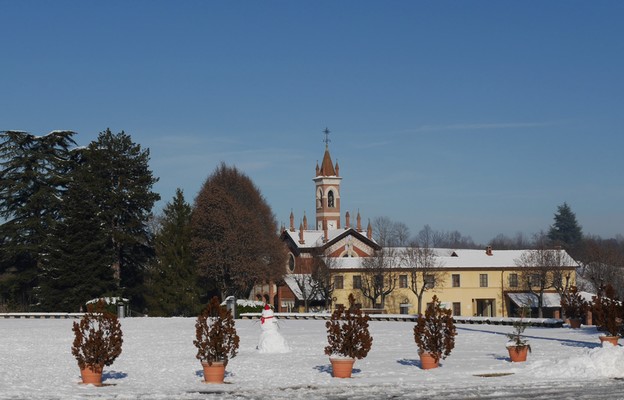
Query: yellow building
point(488, 283)
point(469, 282)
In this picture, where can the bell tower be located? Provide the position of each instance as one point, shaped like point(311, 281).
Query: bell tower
point(327, 186)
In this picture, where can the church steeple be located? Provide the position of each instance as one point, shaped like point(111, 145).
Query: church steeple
point(327, 166)
point(327, 187)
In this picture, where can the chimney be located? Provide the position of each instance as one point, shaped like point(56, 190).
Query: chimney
point(347, 220)
point(337, 168)
point(359, 222)
point(305, 222)
point(488, 251)
point(292, 221)
point(301, 240)
point(369, 230)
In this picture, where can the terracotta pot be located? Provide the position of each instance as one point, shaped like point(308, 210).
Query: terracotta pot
point(342, 367)
point(214, 373)
point(518, 353)
point(575, 323)
point(609, 339)
point(427, 361)
point(91, 375)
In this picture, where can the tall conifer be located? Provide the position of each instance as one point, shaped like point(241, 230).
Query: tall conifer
point(172, 280)
point(33, 178)
point(78, 266)
point(122, 184)
point(565, 230)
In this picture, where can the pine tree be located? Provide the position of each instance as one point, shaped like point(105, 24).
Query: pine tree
point(32, 183)
point(235, 234)
point(122, 184)
point(565, 230)
point(78, 267)
point(172, 280)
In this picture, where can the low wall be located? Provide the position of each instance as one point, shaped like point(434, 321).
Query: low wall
point(41, 315)
point(543, 322)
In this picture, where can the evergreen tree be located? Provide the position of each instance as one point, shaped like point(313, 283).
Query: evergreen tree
point(172, 281)
point(32, 183)
point(565, 231)
point(78, 267)
point(235, 234)
point(122, 185)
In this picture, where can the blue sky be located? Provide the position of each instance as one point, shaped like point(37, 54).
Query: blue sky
point(477, 116)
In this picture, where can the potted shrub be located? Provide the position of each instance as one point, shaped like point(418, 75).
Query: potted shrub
point(434, 334)
point(348, 338)
point(607, 314)
point(216, 340)
point(97, 342)
point(574, 307)
point(519, 346)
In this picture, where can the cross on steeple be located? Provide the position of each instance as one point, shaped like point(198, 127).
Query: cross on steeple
point(326, 140)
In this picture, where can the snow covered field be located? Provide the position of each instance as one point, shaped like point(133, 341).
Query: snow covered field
point(158, 362)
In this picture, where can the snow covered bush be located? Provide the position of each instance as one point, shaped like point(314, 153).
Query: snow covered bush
point(347, 332)
point(435, 331)
point(249, 307)
point(607, 311)
point(97, 338)
point(216, 338)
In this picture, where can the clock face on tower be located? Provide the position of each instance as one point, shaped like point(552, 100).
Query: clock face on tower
point(331, 224)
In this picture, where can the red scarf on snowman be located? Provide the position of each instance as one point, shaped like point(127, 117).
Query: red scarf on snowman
point(265, 313)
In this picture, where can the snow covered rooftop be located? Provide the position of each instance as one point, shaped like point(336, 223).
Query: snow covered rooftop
point(449, 258)
point(526, 299)
point(295, 281)
point(314, 238)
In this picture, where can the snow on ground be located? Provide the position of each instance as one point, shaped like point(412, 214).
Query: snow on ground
point(158, 362)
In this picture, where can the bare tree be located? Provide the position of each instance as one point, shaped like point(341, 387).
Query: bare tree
point(382, 230)
point(518, 242)
point(602, 262)
point(308, 287)
point(429, 238)
point(544, 269)
point(425, 271)
point(400, 235)
point(322, 266)
point(390, 233)
point(379, 276)
point(456, 240)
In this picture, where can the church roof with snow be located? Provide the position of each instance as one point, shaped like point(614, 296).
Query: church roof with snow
point(315, 238)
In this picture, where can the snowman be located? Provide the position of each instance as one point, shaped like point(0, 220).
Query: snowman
point(271, 341)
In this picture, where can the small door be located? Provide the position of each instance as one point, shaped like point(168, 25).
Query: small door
point(485, 308)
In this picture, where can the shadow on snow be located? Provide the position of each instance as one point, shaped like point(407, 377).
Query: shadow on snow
point(328, 369)
point(200, 373)
point(106, 375)
point(564, 342)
